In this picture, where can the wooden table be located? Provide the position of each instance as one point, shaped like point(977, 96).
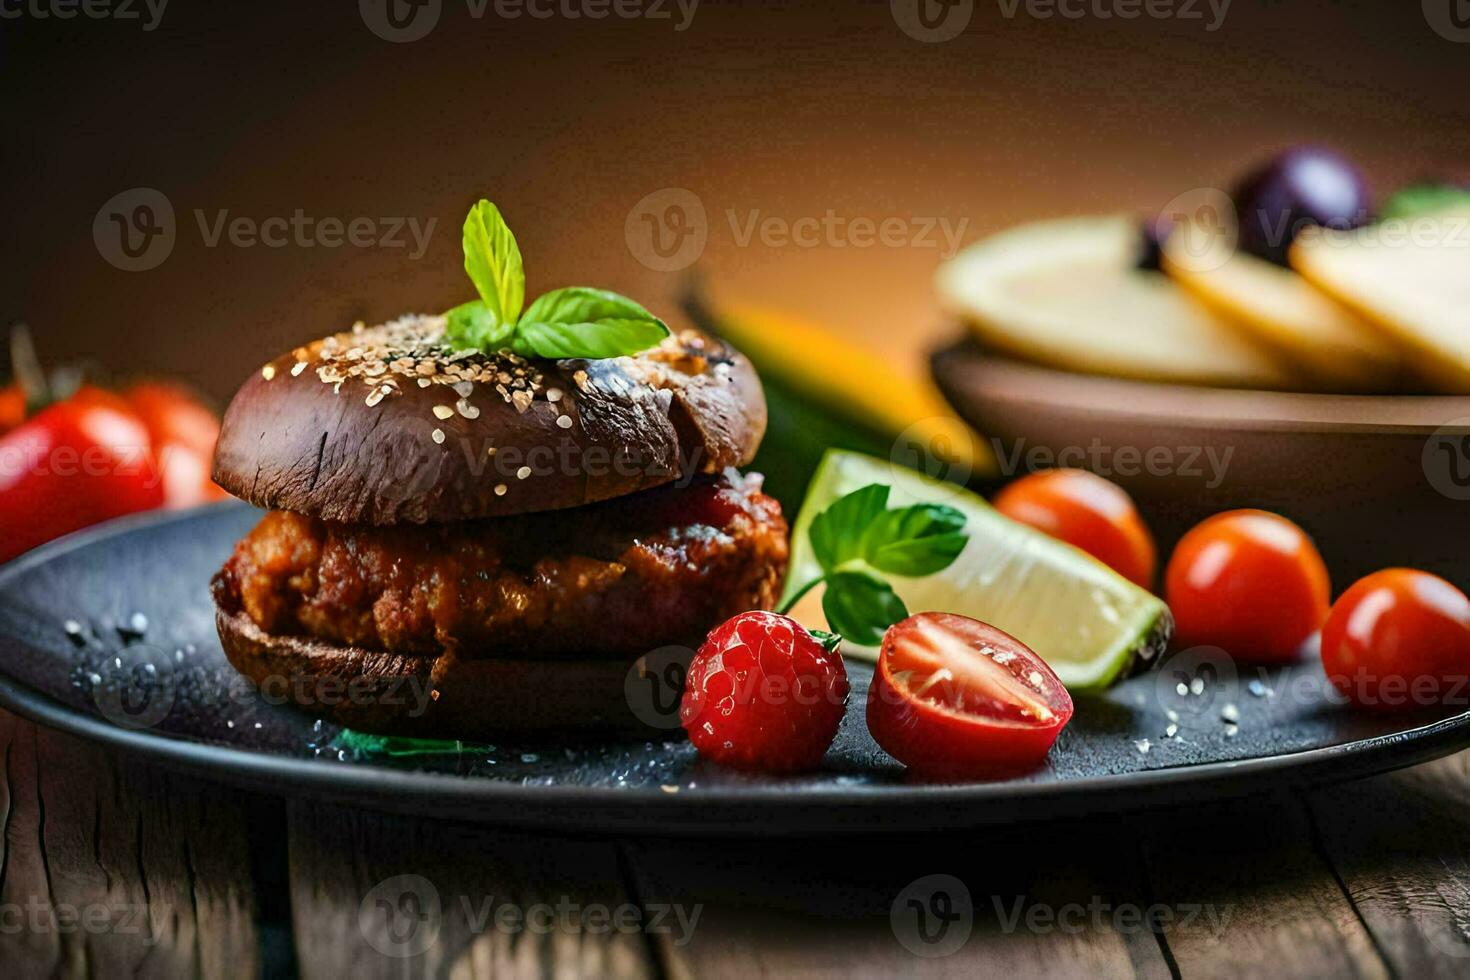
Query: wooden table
point(113, 867)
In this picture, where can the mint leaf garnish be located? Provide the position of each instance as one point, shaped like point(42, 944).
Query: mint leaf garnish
point(858, 539)
point(575, 322)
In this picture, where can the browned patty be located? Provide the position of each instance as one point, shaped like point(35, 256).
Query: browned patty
point(617, 578)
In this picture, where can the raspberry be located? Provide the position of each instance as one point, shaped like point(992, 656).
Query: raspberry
point(764, 694)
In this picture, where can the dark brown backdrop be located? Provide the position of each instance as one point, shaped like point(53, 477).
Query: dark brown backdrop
point(788, 110)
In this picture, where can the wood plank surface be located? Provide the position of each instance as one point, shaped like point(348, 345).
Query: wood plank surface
point(112, 868)
point(1400, 844)
point(375, 895)
point(1035, 903)
point(1259, 897)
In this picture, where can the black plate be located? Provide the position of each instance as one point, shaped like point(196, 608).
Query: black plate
point(109, 634)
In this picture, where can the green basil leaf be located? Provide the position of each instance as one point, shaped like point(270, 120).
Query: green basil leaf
point(914, 541)
point(493, 261)
point(474, 324)
point(860, 607)
point(595, 339)
point(582, 304)
point(836, 533)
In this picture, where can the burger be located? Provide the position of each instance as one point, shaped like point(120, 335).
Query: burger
point(472, 539)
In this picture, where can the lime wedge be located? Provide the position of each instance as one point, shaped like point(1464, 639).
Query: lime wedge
point(1089, 623)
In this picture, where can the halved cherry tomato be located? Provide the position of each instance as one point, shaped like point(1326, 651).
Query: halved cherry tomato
point(1087, 512)
point(1249, 581)
point(957, 698)
point(69, 466)
point(1398, 639)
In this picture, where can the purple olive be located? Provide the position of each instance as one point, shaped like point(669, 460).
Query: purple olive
point(1303, 186)
point(1154, 233)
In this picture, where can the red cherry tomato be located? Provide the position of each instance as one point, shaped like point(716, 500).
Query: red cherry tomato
point(1398, 639)
point(764, 694)
point(1087, 512)
point(12, 407)
point(69, 466)
point(183, 432)
point(957, 698)
point(1249, 581)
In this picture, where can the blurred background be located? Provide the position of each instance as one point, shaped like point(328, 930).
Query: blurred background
point(768, 113)
point(192, 188)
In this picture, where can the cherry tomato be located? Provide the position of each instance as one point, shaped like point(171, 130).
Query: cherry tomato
point(183, 432)
point(1399, 638)
point(71, 465)
point(1087, 512)
point(12, 407)
point(957, 698)
point(1249, 581)
point(764, 694)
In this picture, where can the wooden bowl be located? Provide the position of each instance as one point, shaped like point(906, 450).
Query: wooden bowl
point(1377, 480)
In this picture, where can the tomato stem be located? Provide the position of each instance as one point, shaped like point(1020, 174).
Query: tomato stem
point(27, 369)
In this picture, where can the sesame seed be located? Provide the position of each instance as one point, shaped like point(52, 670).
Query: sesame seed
point(553, 394)
point(464, 388)
point(268, 372)
point(466, 409)
point(424, 382)
point(442, 412)
point(375, 396)
point(298, 368)
point(523, 472)
point(565, 421)
point(500, 489)
point(490, 451)
point(438, 436)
